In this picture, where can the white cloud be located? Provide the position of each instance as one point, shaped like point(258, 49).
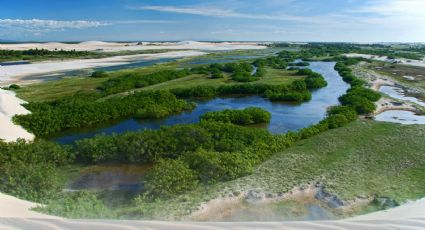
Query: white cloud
point(38, 24)
point(220, 12)
point(394, 8)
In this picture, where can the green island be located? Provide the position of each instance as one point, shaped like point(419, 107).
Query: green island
point(352, 163)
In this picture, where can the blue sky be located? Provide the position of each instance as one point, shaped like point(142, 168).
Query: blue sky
point(248, 20)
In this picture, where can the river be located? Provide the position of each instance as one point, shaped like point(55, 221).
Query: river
point(285, 116)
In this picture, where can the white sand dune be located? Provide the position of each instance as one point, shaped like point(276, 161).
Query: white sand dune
point(13, 73)
point(10, 106)
point(12, 207)
point(115, 46)
point(418, 63)
point(15, 214)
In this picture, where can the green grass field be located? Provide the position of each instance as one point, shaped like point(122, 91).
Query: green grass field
point(366, 158)
point(51, 90)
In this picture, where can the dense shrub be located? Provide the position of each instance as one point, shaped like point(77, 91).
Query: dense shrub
point(137, 80)
point(170, 177)
point(292, 96)
point(171, 142)
point(14, 86)
point(358, 97)
point(78, 205)
point(212, 167)
point(29, 170)
point(85, 110)
point(99, 74)
point(246, 116)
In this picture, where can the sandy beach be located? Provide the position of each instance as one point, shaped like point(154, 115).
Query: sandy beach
point(15, 73)
point(10, 106)
point(135, 46)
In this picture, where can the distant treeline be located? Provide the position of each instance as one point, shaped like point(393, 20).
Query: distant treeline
point(34, 53)
point(312, 50)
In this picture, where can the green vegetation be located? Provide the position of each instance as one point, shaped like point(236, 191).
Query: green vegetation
point(31, 54)
point(78, 205)
point(137, 80)
point(99, 74)
point(170, 142)
point(170, 177)
point(198, 162)
point(358, 97)
point(31, 170)
point(44, 54)
point(86, 110)
point(246, 116)
point(365, 158)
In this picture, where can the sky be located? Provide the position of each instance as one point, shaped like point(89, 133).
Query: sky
point(218, 20)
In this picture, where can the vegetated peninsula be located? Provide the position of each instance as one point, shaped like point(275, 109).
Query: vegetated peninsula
point(260, 131)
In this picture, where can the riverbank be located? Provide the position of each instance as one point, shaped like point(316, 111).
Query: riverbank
point(17, 73)
point(10, 106)
point(376, 82)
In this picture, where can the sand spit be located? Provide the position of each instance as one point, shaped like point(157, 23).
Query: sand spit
point(135, 46)
point(10, 106)
point(14, 73)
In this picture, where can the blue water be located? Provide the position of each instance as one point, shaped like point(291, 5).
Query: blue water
point(14, 63)
point(285, 117)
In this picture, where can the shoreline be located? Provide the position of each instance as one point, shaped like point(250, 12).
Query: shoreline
point(10, 106)
point(17, 73)
point(387, 103)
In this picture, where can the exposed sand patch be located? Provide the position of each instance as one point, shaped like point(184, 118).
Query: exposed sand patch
point(12, 207)
point(15, 73)
point(313, 193)
point(387, 104)
point(10, 106)
point(376, 81)
point(135, 46)
point(420, 63)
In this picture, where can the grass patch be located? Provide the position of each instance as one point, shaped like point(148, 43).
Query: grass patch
point(365, 158)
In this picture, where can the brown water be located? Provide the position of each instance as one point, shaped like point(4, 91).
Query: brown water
point(110, 178)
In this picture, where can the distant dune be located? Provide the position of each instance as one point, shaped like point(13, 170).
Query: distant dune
point(134, 46)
